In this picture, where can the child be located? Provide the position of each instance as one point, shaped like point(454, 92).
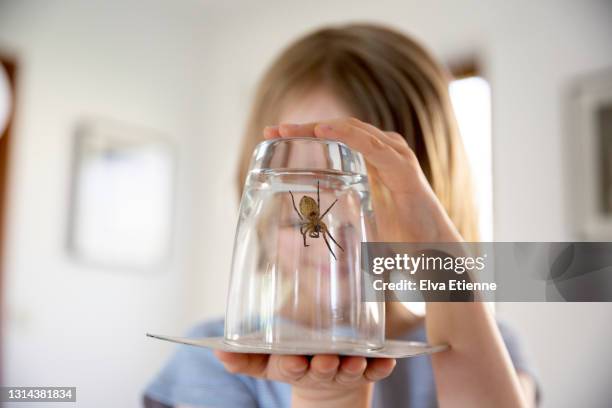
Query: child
point(422, 191)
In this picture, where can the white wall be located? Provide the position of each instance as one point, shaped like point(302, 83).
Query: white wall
point(68, 324)
point(189, 69)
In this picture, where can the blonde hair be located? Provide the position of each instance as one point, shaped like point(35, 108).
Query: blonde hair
point(388, 80)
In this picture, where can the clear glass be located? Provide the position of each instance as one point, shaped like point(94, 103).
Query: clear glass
point(286, 295)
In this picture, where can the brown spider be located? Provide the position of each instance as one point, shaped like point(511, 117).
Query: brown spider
point(312, 223)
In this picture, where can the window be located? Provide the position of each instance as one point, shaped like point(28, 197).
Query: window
point(471, 99)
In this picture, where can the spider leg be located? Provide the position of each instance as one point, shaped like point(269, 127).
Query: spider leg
point(303, 232)
point(329, 246)
point(326, 231)
point(328, 208)
point(294, 206)
point(318, 197)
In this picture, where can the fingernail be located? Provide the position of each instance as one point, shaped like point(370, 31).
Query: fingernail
point(272, 127)
point(327, 127)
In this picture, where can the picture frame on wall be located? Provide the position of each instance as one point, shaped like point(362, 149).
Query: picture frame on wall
point(122, 196)
point(590, 152)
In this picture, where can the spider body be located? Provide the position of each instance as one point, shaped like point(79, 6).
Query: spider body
point(312, 224)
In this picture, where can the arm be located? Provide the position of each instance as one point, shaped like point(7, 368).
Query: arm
point(476, 371)
point(529, 388)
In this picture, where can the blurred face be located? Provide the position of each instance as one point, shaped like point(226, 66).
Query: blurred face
point(320, 104)
point(320, 278)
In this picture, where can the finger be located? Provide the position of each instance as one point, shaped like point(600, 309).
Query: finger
point(287, 367)
point(271, 132)
point(323, 367)
point(374, 148)
point(307, 129)
point(394, 139)
point(379, 368)
point(242, 363)
point(351, 370)
point(297, 130)
point(397, 141)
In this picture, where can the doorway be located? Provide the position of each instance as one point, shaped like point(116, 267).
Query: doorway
point(8, 71)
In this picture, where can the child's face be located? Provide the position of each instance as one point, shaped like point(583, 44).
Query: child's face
point(320, 104)
point(315, 106)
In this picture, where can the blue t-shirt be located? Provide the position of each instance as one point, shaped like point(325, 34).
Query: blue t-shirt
point(193, 376)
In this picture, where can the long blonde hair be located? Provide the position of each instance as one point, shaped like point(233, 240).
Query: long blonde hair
point(388, 80)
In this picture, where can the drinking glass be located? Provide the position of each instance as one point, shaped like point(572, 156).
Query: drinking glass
point(296, 279)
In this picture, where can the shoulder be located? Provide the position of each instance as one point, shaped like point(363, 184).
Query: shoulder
point(194, 376)
point(518, 351)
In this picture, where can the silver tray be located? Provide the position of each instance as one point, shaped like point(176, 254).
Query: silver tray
point(391, 348)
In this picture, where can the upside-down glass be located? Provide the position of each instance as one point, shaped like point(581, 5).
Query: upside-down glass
point(296, 280)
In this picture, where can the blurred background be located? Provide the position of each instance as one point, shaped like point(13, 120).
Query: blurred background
point(117, 168)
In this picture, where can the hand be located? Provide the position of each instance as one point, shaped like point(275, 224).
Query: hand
point(325, 380)
point(407, 209)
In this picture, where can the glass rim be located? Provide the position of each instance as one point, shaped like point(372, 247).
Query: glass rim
point(341, 158)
